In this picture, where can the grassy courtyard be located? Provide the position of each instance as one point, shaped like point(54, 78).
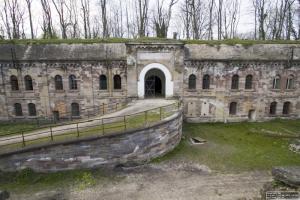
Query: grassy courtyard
point(239, 146)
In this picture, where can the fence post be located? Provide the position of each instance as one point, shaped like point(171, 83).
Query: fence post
point(77, 130)
point(160, 113)
point(51, 133)
point(103, 108)
point(102, 126)
point(125, 123)
point(23, 139)
point(146, 117)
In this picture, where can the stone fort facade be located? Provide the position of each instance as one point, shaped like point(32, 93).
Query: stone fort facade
point(220, 83)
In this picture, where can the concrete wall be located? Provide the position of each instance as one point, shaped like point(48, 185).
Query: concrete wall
point(133, 147)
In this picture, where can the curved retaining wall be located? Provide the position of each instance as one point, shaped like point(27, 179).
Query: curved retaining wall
point(131, 147)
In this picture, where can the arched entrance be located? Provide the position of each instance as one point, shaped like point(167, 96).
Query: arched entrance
point(155, 83)
point(155, 80)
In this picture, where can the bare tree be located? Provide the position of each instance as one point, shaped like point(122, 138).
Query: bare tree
point(47, 28)
point(162, 18)
point(260, 17)
point(13, 18)
point(211, 21)
point(28, 2)
point(231, 18)
point(85, 7)
point(60, 6)
point(219, 18)
point(142, 16)
point(103, 5)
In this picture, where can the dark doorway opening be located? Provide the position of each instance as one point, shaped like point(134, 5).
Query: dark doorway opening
point(56, 116)
point(154, 84)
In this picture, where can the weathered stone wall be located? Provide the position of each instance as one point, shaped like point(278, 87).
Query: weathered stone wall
point(88, 61)
point(221, 63)
point(132, 147)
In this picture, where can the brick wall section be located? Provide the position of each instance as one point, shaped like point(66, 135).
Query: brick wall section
point(132, 147)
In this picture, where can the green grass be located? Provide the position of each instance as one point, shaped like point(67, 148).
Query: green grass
point(15, 127)
point(147, 40)
point(28, 180)
point(134, 121)
point(233, 147)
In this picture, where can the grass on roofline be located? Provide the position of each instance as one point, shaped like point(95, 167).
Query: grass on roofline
point(147, 40)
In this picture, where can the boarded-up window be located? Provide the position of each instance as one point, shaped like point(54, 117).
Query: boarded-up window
point(75, 109)
point(286, 108)
point(72, 82)
point(276, 82)
point(14, 83)
point(192, 82)
point(206, 82)
point(273, 108)
point(18, 109)
point(235, 82)
point(232, 108)
point(248, 83)
point(117, 82)
point(103, 82)
point(31, 109)
point(28, 82)
point(58, 82)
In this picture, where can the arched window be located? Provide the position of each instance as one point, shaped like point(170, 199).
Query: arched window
point(286, 108)
point(273, 108)
point(235, 82)
point(75, 109)
point(248, 83)
point(206, 82)
point(31, 109)
point(72, 82)
point(103, 82)
point(192, 81)
point(232, 108)
point(58, 82)
point(276, 82)
point(18, 109)
point(290, 82)
point(28, 82)
point(117, 82)
point(14, 83)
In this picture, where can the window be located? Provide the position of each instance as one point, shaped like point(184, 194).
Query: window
point(273, 108)
point(72, 82)
point(28, 83)
point(14, 83)
point(102, 82)
point(232, 108)
point(75, 109)
point(276, 82)
point(192, 81)
point(248, 83)
point(206, 81)
point(58, 82)
point(290, 82)
point(31, 109)
point(18, 109)
point(286, 108)
point(235, 82)
point(117, 82)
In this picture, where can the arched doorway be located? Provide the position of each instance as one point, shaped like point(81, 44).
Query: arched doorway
point(251, 115)
point(154, 84)
point(155, 79)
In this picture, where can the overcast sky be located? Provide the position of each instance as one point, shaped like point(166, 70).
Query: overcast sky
point(245, 22)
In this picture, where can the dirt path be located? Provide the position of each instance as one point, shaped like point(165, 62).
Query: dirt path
point(172, 181)
point(134, 107)
point(183, 183)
